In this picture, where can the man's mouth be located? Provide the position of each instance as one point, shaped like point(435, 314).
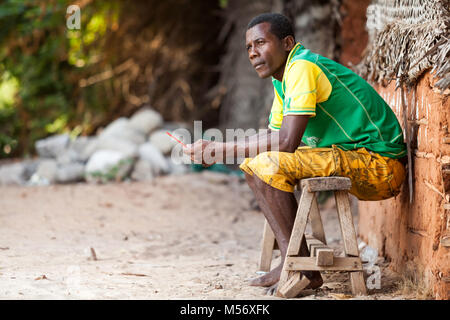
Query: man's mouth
point(258, 65)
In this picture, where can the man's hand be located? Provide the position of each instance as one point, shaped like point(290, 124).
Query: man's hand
point(201, 152)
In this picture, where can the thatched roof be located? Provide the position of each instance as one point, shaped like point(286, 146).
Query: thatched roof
point(406, 38)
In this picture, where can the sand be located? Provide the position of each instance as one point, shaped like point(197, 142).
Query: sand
point(194, 236)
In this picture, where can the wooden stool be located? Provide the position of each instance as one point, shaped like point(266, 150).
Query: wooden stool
point(321, 257)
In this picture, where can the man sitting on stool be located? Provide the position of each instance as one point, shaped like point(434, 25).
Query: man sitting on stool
point(349, 131)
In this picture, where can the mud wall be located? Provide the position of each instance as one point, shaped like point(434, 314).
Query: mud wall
point(413, 234)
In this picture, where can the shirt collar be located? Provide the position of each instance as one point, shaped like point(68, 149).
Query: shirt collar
point(293, 51)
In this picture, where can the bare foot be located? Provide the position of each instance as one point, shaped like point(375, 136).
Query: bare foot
point(268, 279)
point(272, 290)
point(315, 282)
point(271, 279)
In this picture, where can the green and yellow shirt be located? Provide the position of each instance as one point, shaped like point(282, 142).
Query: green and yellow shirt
point(345, 110)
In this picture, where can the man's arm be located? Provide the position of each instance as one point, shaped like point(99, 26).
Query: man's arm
point(209, 152)
point(287, 139)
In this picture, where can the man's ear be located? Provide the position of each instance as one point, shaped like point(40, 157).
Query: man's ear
point(288, 43)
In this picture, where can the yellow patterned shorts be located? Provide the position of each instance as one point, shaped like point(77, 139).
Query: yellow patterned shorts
point(373, 177)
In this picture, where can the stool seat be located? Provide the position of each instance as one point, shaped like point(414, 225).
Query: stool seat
point(321, 256)
point(326, 184)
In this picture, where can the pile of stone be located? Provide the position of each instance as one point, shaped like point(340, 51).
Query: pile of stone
point(135, 148)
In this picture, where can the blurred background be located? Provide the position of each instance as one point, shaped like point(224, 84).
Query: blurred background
point(184, 59)
point(93, 104)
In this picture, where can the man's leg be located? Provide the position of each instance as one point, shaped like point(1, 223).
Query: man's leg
point(280, 209)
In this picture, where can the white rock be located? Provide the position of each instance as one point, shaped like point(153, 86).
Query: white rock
point(47, 169)
point(146, 120)
point(53, 146)
point(76, 152)
point(36, 180)
point(142, 171)
point(31, 166)
point(107, 165)
point(161, 140)
point(176, 168)
point(121, 129)
point(125, 147)
point(89, 149)
point(13, 173)
point(70, 172)
point(68, 156)
point(80, 143)
point(133, 136)
point(115, 126)
point(155, 158)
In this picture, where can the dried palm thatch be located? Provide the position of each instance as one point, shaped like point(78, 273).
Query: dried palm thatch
point(406, 38)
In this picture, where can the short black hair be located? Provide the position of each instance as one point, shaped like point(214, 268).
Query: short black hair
point(279, 24)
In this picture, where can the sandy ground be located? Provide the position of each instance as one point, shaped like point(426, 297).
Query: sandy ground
point(195, 236)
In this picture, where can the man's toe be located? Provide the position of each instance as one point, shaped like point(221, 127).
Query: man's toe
point(272, 290)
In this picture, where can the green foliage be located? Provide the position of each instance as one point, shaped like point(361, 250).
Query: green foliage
point(126, 54)
point(41, 64)
point(223, 3)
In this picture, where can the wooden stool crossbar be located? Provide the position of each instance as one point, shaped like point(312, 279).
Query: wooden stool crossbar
point(321, 256)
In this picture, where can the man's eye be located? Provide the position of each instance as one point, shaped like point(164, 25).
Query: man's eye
point(260, 42)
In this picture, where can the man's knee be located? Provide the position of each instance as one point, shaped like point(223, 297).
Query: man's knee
point(267, 163)
point(253, 181)
point(248, 178)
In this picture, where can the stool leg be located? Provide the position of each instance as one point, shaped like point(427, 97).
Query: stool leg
point(298, 232)
point(268, 243)
point(349, 239)
point(316, 222)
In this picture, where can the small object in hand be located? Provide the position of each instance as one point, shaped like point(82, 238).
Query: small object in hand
point(176, 139)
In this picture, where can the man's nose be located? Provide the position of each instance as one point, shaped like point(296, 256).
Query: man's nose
point(252, 53)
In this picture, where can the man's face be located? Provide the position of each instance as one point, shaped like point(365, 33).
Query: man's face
point(265, 51)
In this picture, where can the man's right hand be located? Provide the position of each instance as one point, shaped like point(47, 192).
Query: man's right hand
point(197, 152)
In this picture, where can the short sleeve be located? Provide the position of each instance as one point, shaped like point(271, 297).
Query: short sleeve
point(301, 88)
point(276, 113)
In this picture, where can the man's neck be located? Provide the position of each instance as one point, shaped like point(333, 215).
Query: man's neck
point(280, 72)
